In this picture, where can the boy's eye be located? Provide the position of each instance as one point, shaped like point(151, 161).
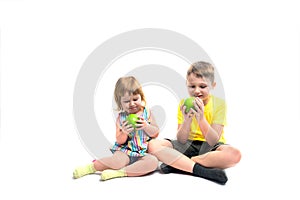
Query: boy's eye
point(201, 86)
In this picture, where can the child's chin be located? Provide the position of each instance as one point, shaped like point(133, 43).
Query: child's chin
point(134, 110)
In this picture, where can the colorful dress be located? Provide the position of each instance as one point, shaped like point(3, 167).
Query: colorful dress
point(137, 142)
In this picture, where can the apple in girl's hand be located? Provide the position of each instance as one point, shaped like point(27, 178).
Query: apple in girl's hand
point(132, 118)
point(189, 103)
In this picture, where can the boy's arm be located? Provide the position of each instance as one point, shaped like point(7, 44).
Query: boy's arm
point(184, 129)
point(212, 133)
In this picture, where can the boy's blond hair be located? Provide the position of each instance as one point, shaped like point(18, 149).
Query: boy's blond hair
point(203, 70)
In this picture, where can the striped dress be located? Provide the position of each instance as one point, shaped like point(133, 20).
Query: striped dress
point(137, 142)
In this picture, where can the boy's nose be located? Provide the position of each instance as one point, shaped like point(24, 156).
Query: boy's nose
point(197, 90)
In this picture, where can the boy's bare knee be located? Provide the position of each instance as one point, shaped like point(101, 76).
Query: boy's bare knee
point(156, 145)
point(238, 156)
point(152, 145)
point(235, 155)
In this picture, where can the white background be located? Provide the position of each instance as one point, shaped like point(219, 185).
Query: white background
point(255, 46)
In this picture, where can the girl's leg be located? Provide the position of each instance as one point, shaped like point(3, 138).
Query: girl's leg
point(223, 157)
point(141, 167)
point(116, 161)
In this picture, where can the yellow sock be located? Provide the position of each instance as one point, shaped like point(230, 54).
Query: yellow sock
point(109, 174)
point(82, 171)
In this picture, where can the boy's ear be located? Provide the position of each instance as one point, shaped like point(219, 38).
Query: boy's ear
point(214, 85)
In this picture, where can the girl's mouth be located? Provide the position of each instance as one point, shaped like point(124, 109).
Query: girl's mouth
point(131, 109)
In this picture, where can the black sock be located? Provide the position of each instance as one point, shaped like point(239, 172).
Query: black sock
point(213, 174)
point(166, 169)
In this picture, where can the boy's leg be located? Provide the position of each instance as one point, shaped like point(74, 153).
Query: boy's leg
point(224, 156)
point(142, 166)
point(179, 161)
point(163, 150)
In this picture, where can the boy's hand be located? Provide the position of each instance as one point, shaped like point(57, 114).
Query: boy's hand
point(199, 109)
point(188, 115)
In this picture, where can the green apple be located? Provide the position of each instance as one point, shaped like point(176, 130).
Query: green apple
point(132, 118)
point(189, 103)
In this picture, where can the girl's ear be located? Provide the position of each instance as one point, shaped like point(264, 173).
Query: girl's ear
point(143, 103)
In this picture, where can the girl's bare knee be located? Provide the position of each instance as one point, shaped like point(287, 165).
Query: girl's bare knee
point(152, 161)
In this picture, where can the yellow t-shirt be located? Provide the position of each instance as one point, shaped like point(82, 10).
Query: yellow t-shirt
point(214, 112)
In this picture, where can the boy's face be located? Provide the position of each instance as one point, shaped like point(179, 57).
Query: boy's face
point(199, 87)
point(131, 103)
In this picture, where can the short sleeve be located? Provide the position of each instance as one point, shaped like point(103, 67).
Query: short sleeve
point(219, 114)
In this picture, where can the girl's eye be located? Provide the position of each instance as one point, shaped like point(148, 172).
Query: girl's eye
point(135, 99)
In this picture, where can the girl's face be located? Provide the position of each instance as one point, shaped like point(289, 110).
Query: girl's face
point(131, 104)
point(199, 87)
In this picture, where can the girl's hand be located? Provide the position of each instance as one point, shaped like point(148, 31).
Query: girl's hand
point(141, 123)
point(127, 128)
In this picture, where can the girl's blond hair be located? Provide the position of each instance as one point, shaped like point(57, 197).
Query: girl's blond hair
point(130, 85)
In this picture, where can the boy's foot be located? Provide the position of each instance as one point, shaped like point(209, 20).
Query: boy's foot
point(166, 169)
point(109, 174)
point(84, 170)
point(213, 174)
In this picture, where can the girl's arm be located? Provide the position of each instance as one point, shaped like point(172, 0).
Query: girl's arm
point(121, 132)
point(151, 129)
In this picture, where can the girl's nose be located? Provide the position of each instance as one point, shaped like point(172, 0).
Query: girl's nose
point(131, 103)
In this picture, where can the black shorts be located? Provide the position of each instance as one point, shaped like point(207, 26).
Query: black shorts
point(133, 159)
point(194, 148)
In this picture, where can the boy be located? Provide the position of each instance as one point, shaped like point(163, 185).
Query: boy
point(200, 147)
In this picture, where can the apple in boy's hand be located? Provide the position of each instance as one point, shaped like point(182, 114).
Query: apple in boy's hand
point(132, 118)
point(189, 103)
